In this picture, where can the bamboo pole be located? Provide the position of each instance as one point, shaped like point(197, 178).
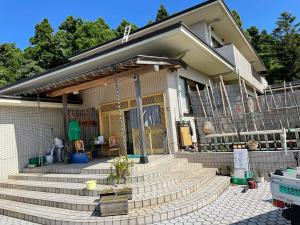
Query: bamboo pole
point(298, 112)
point(243, 103)
point(201, 102)
point(249, 109)
point(295, 100)
point(228, 102)
point(276, 109)
point(285, 104)
point(223, 101)
point(214, 103)
point(211, 107)
point(259, 132)
point(262, 118)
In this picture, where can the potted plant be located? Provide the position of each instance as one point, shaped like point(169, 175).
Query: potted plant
point(114, 201)
point(252, 145)
point(121, 171)
point(225, 170)
point(260, 176)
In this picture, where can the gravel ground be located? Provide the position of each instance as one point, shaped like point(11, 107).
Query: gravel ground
point(236, 208)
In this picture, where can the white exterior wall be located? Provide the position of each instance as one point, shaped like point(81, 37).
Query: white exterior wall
point(194, 75)
point(20, 135)
point(172, 109)
point(243, 67)
point(201, 29)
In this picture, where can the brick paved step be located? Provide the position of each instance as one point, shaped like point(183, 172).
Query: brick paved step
point(145, 180)
point(63, 201)
point(97, 167)
point(185, 187)
point(52, 187)
point(182, 206)
point(168, 179)
point(49, 215)
point(82, 178)
point(140, 176)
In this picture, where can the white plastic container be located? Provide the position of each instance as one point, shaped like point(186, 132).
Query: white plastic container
point(49, 159)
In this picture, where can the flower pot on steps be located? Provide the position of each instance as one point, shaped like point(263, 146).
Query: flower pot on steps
point(113, 205)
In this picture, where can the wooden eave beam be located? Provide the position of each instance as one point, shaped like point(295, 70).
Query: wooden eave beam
point(101, 81)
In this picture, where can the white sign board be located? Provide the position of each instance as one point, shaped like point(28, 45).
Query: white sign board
point(241, 161)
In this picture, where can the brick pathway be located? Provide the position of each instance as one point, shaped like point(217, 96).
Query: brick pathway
point(235, 208)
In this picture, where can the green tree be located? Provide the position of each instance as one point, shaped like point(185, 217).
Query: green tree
point(13, 65)
point(254, 36)
point(69, 31)
point(93, 33)
point(121, 28)
point(161, 13)
point(237, 17)
point(45, 49)
point(286, 48)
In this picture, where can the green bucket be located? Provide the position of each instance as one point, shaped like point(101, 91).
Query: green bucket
point(37, 161)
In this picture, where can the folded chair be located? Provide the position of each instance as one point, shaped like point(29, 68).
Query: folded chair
point(113, 145)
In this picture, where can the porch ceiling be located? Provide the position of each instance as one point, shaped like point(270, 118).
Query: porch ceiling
point(120, 70)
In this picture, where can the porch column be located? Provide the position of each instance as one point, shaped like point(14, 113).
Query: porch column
point(140, 119)
point(65, 112)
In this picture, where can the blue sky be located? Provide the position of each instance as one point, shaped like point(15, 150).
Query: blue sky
point(18, 17)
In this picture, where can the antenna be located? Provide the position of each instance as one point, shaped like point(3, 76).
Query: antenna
point(126, 33)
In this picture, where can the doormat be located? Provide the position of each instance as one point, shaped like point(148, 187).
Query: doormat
point(134, 156)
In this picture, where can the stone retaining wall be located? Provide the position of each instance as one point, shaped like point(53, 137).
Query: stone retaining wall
point(266, 161)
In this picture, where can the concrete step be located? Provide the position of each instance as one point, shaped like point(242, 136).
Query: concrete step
point(168, 179)
point(101, 166)
point(48, 215)
point(182, 206)
point(82, 178)
point(63, 201)
point(53, 187)
point(183, 188)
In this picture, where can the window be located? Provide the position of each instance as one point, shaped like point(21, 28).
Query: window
point(185, 99)
point(151, 116)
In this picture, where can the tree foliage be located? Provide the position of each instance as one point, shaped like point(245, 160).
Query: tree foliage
point(279, 50)
point(237, 17)
point(49, 49)
point(121, 28)
point(162, 13)
point(14, 66)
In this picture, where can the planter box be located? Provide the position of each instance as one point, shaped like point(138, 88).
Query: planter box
point(113, 205)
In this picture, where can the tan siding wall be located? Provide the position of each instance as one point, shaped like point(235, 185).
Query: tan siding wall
point(151, 83)
point(19, 135)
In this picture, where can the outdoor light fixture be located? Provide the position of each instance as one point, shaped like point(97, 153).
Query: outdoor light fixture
point(76, 92)
point(156, 68)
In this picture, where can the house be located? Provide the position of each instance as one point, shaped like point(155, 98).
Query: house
point(194, 46)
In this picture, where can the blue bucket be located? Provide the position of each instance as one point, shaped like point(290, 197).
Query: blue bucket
point(79, 158)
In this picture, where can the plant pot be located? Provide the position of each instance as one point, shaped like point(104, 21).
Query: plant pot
point(113, 205)
point(252, 145)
